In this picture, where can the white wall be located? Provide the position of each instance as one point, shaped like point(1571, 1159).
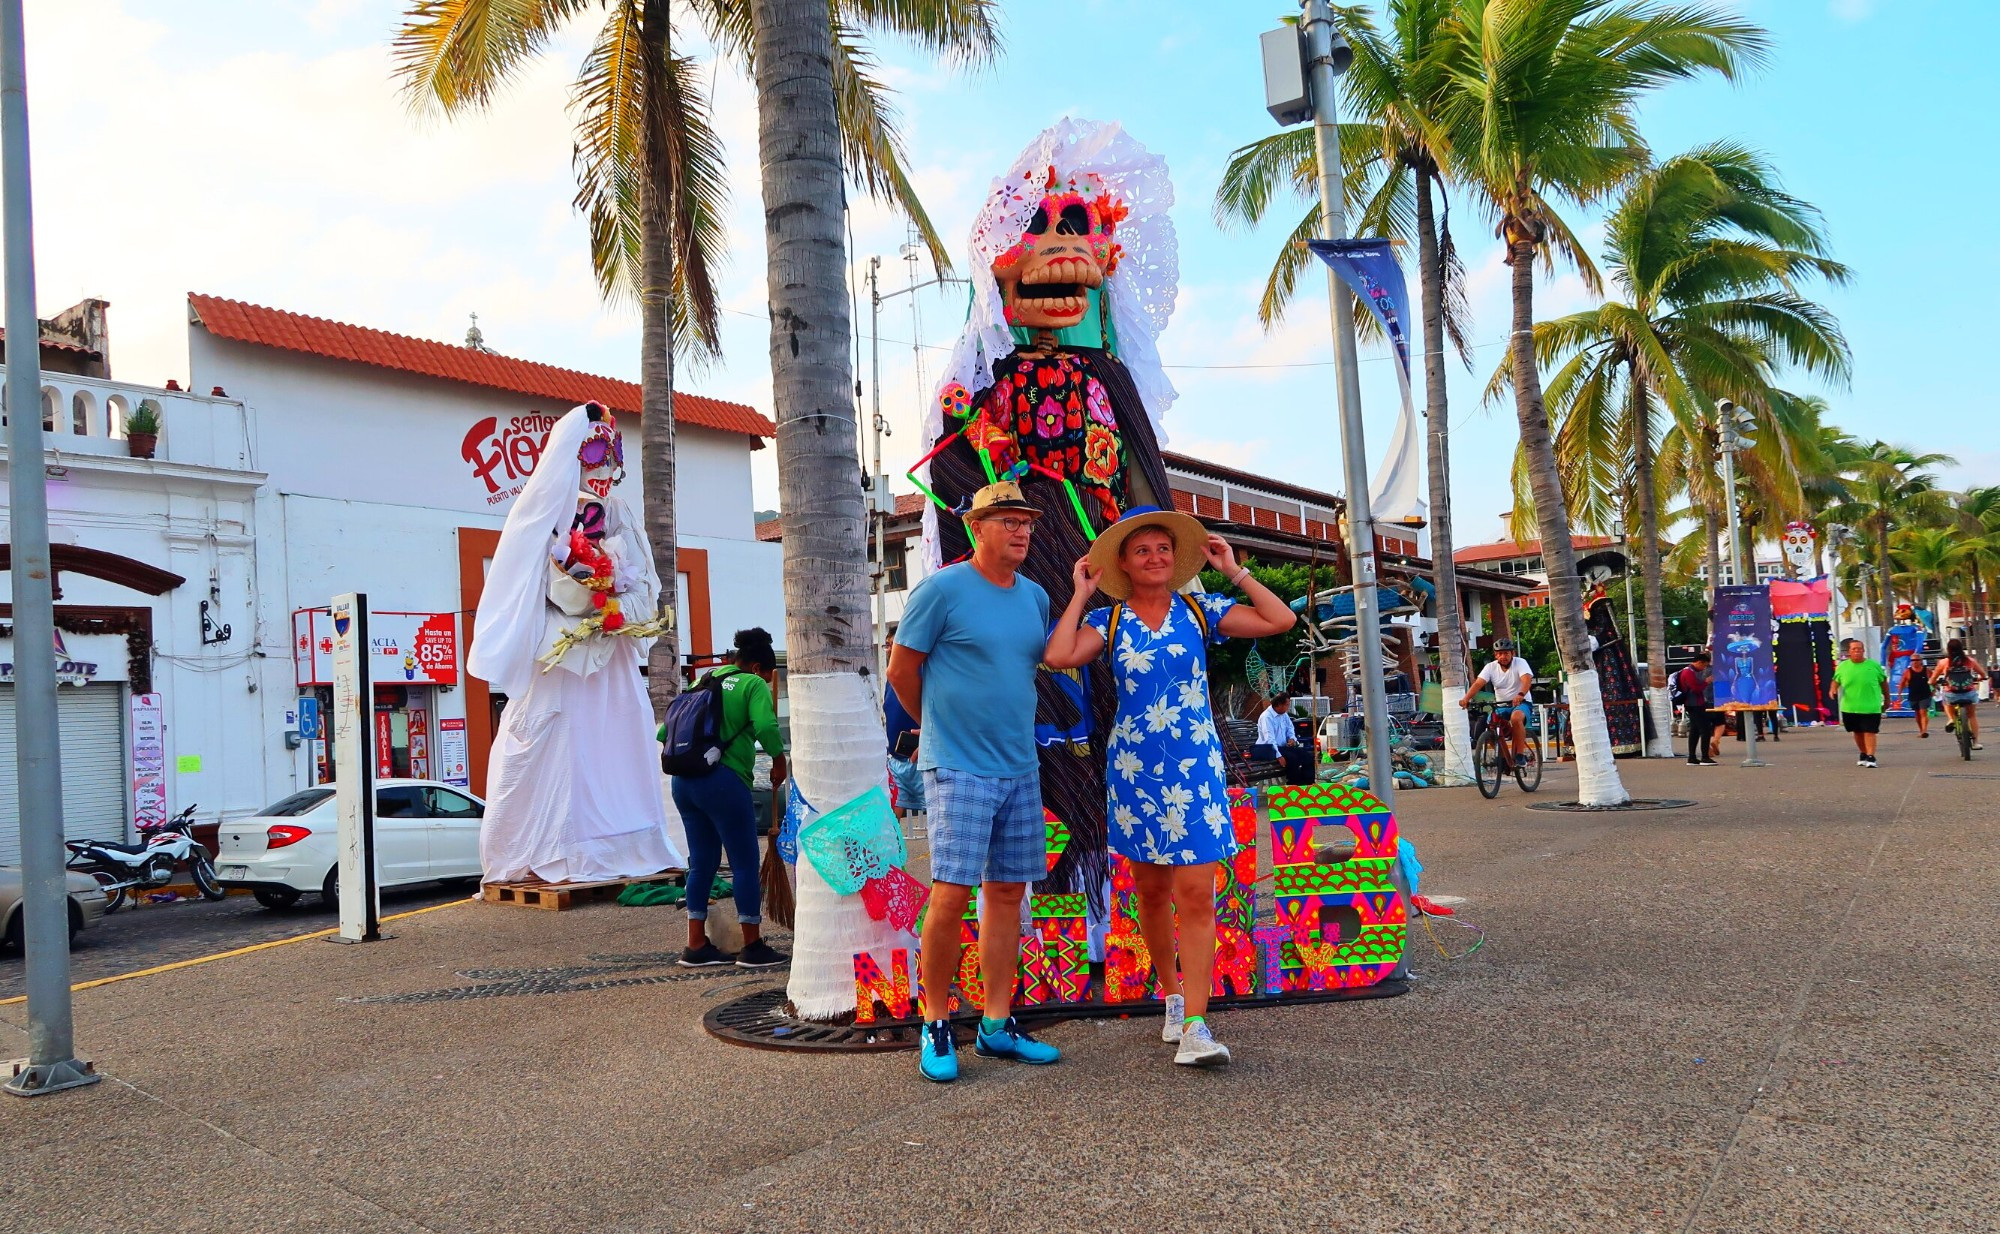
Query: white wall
point(332, 428)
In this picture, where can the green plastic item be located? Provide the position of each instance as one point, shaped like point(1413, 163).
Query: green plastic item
point(674, 891)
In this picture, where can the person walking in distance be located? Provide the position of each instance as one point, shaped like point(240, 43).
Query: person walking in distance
point(718, 811)
point(1697, 688)
point(1861, 686)
point(1917, 684)
point(967, 651)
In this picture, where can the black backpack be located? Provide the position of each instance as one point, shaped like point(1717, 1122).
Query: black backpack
point(1960, 675)
point(691, 739)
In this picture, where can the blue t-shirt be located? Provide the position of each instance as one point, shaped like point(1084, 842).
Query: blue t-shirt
point(896, 718)
point(982, 646)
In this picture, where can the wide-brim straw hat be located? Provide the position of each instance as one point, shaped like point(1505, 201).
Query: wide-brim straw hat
point(1189, 538)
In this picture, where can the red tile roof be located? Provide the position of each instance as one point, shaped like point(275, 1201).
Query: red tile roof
point(771, 529)
point(267, 327)
point(908, 505)
point(1505, 550)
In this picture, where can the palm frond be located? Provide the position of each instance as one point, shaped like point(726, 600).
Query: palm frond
point(454, 55)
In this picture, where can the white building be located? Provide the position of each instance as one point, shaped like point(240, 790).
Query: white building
point(340, 459)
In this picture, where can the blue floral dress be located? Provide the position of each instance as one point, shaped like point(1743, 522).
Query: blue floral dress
point(1164, 791)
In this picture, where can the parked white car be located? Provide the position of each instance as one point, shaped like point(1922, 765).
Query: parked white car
point(424, 830)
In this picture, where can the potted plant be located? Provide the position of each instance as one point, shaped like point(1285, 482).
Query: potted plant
point(142, 429)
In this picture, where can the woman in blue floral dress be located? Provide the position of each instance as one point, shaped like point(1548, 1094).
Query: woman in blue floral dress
point(1165, 794)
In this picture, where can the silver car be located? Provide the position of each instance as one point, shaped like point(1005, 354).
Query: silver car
point(86, 905)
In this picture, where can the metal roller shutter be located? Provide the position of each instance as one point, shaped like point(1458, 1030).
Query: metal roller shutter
point(92, 720)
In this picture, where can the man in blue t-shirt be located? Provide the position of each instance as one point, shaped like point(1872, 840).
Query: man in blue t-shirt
point(966, 654)
point(903, 733)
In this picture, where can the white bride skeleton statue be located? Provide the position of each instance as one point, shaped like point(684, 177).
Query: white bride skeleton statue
point(566, 618)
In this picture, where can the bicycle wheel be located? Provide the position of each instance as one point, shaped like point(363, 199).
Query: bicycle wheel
point(1529, 776)
point(1488, 764)
point(1964, 734)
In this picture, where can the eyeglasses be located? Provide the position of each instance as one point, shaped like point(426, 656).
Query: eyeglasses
point(598, 449)
point(1014, 525)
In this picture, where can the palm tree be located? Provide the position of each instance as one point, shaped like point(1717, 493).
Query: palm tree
point(1889, 486)
point(1704, 253)
point(1979, 522)
point(829, 642)
point(1543, 109)
point(1929, 564)
point(1396, 161)
point(651, 168)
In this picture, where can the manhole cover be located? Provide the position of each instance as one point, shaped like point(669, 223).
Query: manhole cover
point(760, 1019)
point(763, 1021)
point(1637, 803)
point(603, 972)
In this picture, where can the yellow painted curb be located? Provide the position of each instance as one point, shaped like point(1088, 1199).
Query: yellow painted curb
point(224, 955)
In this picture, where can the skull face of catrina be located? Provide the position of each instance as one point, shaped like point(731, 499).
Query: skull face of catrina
point(603, 458)
point(1798, 545)
point(1066, 253)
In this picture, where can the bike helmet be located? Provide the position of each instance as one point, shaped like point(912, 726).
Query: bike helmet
point(1503, 644)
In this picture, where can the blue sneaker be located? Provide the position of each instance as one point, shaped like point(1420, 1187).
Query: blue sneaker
point(937, 1058)
point(1011, 1041)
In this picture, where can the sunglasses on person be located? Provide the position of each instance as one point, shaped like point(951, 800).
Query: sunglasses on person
point(601, 449)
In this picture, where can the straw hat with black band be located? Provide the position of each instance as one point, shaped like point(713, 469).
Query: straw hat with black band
point(1000, 497)
point(1189, 538)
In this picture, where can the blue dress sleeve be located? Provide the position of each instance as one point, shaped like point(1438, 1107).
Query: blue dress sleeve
point(1099, 619)
point(1215, 606)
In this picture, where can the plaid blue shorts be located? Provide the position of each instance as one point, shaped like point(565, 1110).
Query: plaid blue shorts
point(985, 829)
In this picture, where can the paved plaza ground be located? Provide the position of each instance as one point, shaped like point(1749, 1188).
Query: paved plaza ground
point(1774, 1011)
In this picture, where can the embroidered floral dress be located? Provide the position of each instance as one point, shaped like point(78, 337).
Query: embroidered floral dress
point(1164, 788)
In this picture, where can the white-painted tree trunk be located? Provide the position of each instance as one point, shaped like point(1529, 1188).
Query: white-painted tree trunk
point(1661, 702)
point(1457, 752)
point(836, 756)
point(1597, 781)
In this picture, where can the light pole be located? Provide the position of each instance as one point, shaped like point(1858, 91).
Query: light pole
point(882, 508)
point(1327, 55)
point(1735, 424)
point(52, 1064)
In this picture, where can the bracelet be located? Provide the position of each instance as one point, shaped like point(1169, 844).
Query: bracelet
point(1236, 579)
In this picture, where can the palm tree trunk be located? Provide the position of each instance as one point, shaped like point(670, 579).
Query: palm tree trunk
point(1452, 670)
point(1658, 701)
point(836, 733)
point(1597, 777)
point(1886, 584)
point(656, 381)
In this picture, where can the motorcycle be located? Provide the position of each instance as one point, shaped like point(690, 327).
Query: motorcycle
point(149, 864)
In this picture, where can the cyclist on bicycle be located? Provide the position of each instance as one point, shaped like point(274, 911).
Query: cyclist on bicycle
point(1958, 676)
point(1511, 679)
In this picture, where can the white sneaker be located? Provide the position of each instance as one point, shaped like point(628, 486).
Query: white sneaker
point(1861, 762)
point(1977, 746)
point(1199, 1048)
point(1170, 1031)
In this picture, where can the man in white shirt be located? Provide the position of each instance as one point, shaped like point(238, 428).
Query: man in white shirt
point(1511, 679)
point(1276, 729)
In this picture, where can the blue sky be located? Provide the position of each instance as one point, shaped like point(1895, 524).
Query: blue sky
point(256, 149)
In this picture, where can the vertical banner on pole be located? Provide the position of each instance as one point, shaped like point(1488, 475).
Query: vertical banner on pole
point(353, 753)
point(1746, 676)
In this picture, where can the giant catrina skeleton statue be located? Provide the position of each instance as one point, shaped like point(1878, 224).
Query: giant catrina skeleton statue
point(567, 615)
point(1056, 383)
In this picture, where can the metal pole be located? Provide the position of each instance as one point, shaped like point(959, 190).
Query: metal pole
point(881, 580)
point(1750, 758)
point(52, 1064)
point(1354, 453)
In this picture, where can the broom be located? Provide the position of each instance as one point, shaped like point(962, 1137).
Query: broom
point(775, 879)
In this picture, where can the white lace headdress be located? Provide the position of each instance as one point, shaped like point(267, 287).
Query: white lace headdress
point(1139, 297)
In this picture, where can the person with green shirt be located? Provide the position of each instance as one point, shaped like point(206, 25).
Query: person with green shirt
point(718, 812)
point(1861, 686)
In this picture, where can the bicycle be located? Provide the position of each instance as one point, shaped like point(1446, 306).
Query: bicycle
point(1962, 729)
point(1493, 756)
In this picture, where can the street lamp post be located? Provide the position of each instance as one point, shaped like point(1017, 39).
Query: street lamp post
point(1735, 424)
point(52, 1064)
point(1327, 56)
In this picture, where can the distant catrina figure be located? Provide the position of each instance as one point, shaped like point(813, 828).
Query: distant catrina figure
point(567, 616)
point(1056, 383)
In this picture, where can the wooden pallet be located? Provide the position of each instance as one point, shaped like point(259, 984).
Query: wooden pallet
point(555, 897)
